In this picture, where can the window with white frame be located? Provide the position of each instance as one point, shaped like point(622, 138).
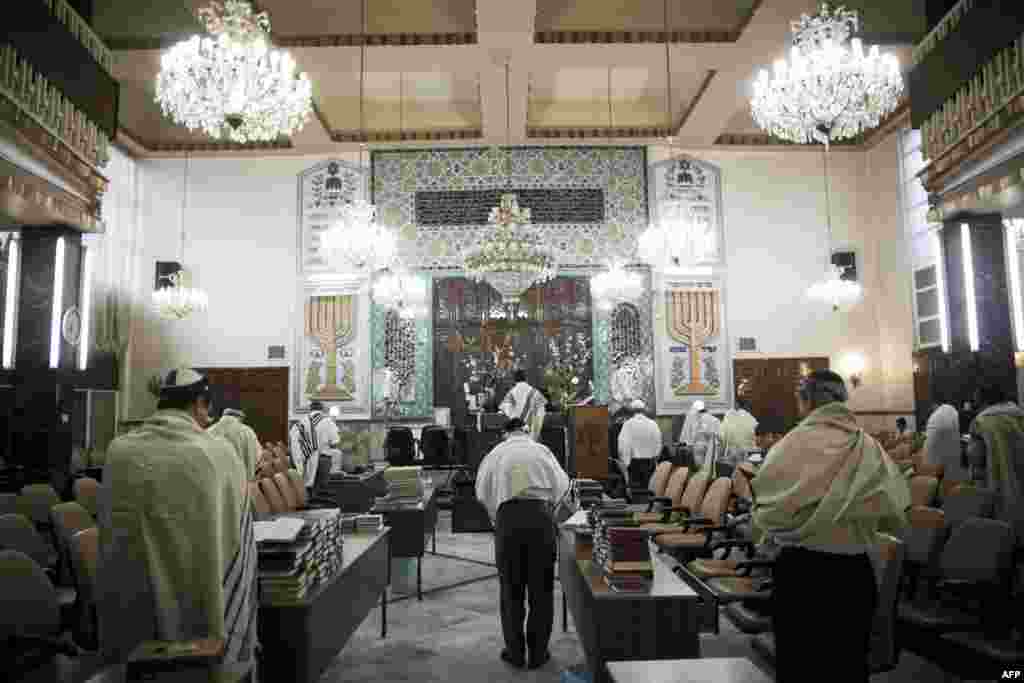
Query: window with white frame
point(929, 300)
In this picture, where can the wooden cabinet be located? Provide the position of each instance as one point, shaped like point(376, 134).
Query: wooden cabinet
point(770, 385)
point(261, 392)
point(589, 442)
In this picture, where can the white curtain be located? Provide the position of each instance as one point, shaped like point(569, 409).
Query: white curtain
point(116, 264)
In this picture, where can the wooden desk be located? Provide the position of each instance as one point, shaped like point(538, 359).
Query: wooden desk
point(410, 527)
point(657, 625)
point(300, 640)
point(724, 670)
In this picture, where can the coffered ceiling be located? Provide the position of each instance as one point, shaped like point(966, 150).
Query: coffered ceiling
point(435, 71)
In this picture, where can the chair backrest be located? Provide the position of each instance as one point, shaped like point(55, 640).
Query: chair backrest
point(716, 500)
point(399, 446)
point(18, 533)
point(741, 484)
point(259, 504)
point(662, 474)
point(298, 487)
point(930, 469)
point(87, 492)
point(979, 550)
point(281, 465)
point(677, 484)
point(434, 445)
point(900, 452)
point(925, 537)
point(694, 493)
point(28, 601)
point(887, 557)
point(35, 501)
point(967, 501)
point(8, 503)
point(284, 487)
point(85, 549)
point(68, 519)
point(923, 489)
point(323, 473)
point(273, 496)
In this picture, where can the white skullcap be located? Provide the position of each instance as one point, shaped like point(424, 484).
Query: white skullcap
point(183, 381)
point(637, 404)
point(698, 405)
point(234, 412)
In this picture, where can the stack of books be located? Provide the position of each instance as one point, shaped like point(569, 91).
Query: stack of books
point(614, 512)
point(369, 522)
point(404, 487)
point(589, 492)
point(299, 552)
point(623, 555)
point(348, 523)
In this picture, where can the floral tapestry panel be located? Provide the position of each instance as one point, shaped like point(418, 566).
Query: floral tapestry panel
point(584, 235)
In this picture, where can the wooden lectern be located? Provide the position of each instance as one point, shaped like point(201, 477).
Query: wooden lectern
point(589, 442)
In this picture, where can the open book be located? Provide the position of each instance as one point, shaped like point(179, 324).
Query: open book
point(279, 530)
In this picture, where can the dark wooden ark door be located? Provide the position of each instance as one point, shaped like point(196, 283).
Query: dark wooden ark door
point(770, 385)
point(468, 323)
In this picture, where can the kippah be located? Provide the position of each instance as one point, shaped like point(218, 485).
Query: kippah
point(182, 381)
point(637, 404)
point(234, 412)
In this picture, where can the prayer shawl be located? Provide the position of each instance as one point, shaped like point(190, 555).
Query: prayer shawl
point(689, 432)
point(312, 436)
point(829, 486)
point(639, 437)
point(242, 438)
point(519, 467)
point(177, 554)
point(942, 443)
point(527, 403)
point(738, 430)
point(1001, 427)
point(706, 441)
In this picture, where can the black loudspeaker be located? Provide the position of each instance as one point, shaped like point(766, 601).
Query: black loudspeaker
point(434, 445)
point(400, 446)
point(164, 271)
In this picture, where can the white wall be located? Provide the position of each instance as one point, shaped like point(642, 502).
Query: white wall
point(242, 242)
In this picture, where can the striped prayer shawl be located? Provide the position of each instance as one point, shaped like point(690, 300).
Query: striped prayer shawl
point(306, 444)
point(241, 601)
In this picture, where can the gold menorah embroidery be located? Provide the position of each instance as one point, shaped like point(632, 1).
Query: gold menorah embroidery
point(693, 318)
point(330, 320)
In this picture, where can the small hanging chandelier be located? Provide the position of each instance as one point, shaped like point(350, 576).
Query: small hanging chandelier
point(615, 285)
point(179, 299)
point(231, 84)
point(830, 89)
point(833, 289)
point(403, 292)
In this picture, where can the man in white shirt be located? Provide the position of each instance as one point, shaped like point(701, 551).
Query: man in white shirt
point(739, 429)
point(518, 482)
point(639, 439)
point(706, 441)
point(311, 437)
point(526, 403)
point(688, 434)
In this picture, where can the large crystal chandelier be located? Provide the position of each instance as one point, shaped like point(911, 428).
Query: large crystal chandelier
point(231, 84)
point(356, 241)
point(614, 286)
point(511, 259)
point(830, 89)
point(403, 292)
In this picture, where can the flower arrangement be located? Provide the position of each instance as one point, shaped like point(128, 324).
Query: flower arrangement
point(569, 364)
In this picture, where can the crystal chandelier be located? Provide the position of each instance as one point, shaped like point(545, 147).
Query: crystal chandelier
point(231, 84)
point(179, 301)
point(834, 289)
point(677, 241)
point(356, 241)
point(403, 292)
point(830, 89)
point(511, 259)
point(615, 285)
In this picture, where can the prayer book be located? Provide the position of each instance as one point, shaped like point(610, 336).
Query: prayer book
point(279, 530)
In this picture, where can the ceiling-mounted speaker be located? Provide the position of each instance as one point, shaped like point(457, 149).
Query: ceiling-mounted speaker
point(747, 344)
point(164, 272)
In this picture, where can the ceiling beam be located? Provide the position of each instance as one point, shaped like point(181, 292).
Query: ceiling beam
point(504, 36)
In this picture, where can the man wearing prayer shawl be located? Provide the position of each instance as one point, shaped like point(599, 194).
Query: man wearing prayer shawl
point(688, 435)
point(706, 439)
point(738, 431)
point(313, 435)
point(996, 454)
point(526, 403)
point(177, 556)
point(639, 439)
point(942, 443)
point(232, 428)
point(823, 493)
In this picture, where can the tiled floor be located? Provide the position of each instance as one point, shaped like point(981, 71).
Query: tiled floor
point(455, 635)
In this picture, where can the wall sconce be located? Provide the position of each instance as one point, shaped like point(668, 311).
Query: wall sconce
point(852, 365)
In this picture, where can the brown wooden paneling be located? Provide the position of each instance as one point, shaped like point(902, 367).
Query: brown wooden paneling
point(769, 384)
point(589, 442)
point(261, 392)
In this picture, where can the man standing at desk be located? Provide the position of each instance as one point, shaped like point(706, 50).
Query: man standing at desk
point(639, 439)
point(310, 437)
point(518, 482)
point(526, 403)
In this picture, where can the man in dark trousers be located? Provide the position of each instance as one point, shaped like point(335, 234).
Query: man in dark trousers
point(519, 482)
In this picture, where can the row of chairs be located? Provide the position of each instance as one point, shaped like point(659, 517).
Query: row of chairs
point(285, 492)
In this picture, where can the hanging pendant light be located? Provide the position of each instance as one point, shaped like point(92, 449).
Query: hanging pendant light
point(402, 291)
point(179, 299)
point(833, 289)
point(356, 241)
